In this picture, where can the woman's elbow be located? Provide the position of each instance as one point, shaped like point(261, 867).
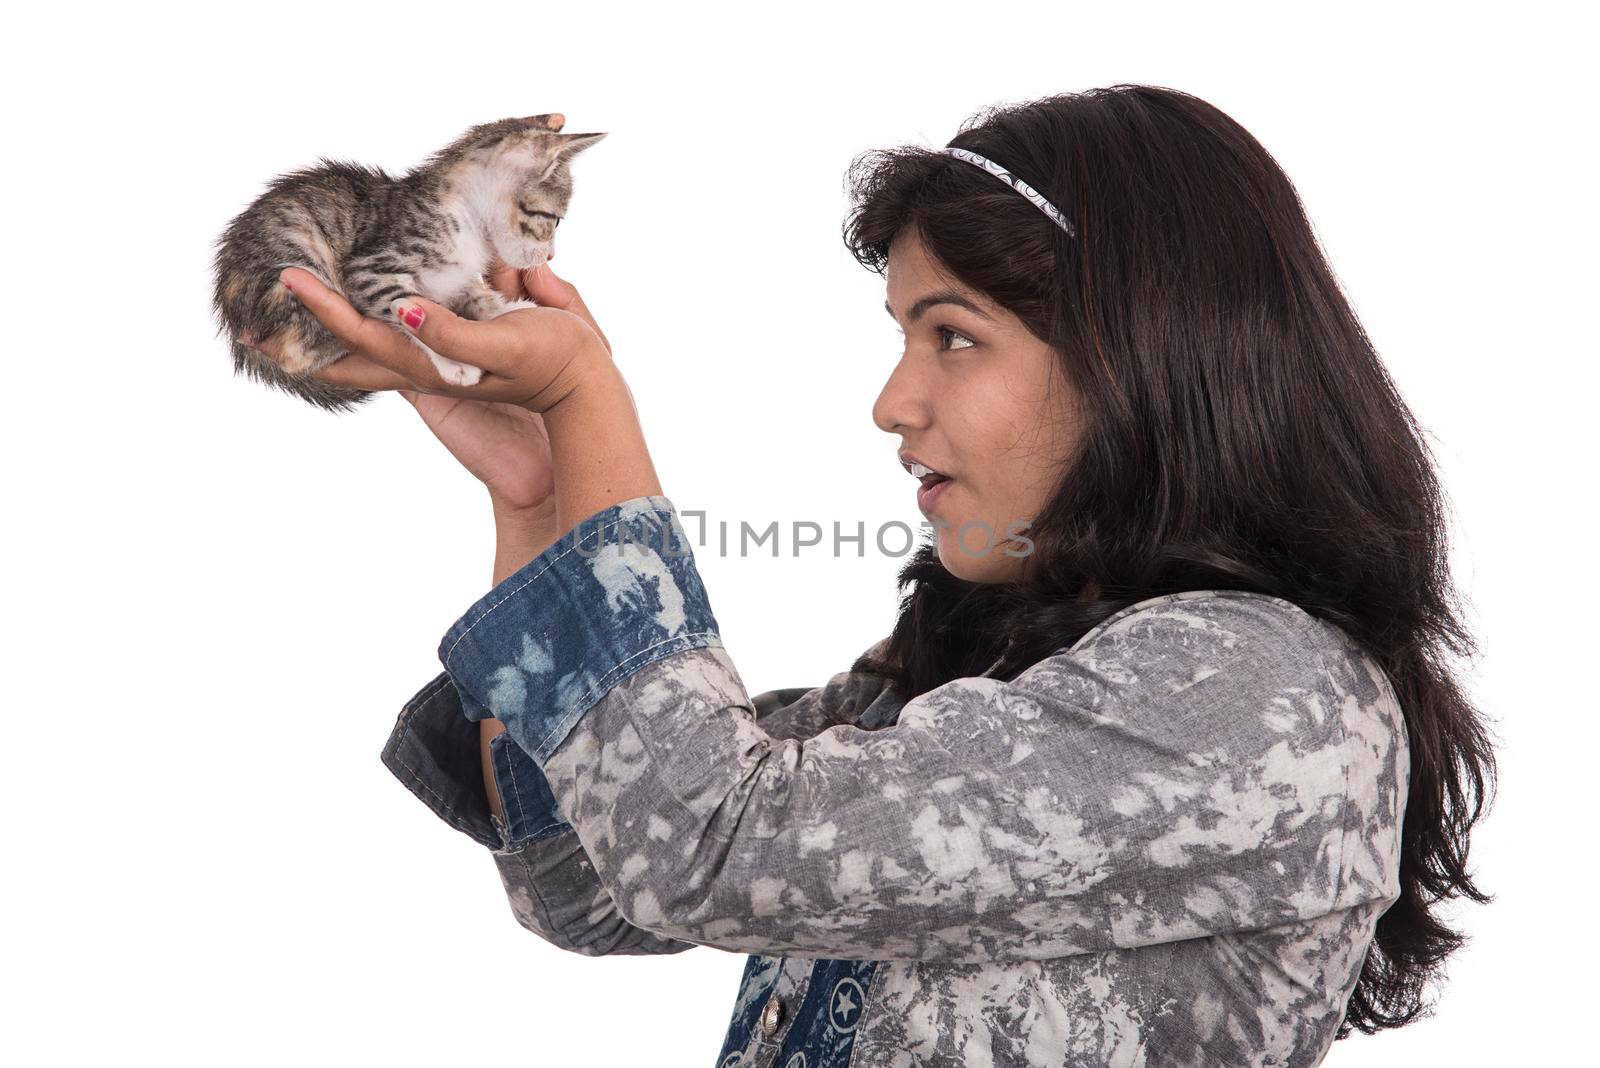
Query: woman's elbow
point(678, 905)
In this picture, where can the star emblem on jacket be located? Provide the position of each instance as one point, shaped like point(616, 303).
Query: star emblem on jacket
point(848, 998)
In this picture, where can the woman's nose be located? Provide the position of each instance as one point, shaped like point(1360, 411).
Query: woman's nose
point(903, 400)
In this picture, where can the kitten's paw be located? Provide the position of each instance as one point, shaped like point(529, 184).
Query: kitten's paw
point(458, 374)
point(452, 371)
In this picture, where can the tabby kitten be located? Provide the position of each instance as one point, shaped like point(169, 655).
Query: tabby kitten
point(501, 189)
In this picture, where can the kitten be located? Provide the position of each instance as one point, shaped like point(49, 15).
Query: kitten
point(501, 189)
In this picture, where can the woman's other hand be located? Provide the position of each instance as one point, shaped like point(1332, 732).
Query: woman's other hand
point(531, 357)
point(550, 360)
point(502, 443)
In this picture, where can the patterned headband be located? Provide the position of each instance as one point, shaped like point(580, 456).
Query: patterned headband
point(1015, 183)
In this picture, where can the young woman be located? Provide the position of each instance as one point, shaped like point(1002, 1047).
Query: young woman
point(1161, 762)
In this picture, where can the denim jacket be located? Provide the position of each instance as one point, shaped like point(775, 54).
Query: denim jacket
point(1167, 844)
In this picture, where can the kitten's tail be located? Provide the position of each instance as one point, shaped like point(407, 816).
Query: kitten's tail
point(256, 365)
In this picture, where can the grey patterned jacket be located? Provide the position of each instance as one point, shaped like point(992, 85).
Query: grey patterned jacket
point(1165, 845)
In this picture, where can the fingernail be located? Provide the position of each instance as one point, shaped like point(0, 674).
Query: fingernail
point(409, 314)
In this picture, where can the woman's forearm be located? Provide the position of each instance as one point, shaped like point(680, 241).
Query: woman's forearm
point(520, 534)
point(597, 447)
point(600, 458)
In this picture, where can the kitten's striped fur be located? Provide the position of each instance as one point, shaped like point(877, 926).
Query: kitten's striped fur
point(501, 188)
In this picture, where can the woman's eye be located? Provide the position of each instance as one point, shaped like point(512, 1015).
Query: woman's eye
point(943, 330)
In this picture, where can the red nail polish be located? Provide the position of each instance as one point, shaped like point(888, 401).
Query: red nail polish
point(412, 317)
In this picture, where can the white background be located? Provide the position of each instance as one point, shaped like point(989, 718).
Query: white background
point(218, 597)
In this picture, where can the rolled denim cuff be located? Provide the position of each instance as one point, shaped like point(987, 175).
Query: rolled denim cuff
point(614, 594)
point(528, 806)
point(435, 751)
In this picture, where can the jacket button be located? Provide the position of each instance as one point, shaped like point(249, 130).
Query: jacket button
point(771, 1016)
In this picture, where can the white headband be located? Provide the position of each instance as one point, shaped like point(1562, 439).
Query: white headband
point(1015, 183)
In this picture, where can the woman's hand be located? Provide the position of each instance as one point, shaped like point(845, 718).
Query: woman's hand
point(532, 357)
point(503, 444)
point(552, 360)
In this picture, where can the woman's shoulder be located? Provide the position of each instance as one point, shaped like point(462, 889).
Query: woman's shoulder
point(1288, 711)
point(1204, 654)
point(1241, 644)
point(1241, 627)
point(1224, 615)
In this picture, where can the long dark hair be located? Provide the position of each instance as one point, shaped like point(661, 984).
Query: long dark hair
point(1241, 433)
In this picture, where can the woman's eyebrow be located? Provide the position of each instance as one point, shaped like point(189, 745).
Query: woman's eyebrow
point(946, 296)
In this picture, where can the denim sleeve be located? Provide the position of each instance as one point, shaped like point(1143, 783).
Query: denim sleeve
point(1203, 763)
point(549, 879)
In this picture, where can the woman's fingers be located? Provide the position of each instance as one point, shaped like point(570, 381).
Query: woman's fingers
point(351, 370)
point(507, 281)
point(522, 354)
point(499, 345)
point(549, 291)
point(368, 337)
point(267, 345)
point(380, 342)
point(271, 346)
point(358, 372)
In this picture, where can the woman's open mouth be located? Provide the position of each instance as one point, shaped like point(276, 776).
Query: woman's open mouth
point(933, 484)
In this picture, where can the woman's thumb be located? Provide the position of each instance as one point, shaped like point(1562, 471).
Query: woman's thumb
point(548, 290)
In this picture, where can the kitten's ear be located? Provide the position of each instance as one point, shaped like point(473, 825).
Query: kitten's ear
point(563, 147)
point(569, 145)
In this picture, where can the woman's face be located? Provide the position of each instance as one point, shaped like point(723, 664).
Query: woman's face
point(980, 400)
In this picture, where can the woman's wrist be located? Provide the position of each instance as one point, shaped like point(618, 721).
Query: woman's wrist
point(597, 446)
point(520, 534)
